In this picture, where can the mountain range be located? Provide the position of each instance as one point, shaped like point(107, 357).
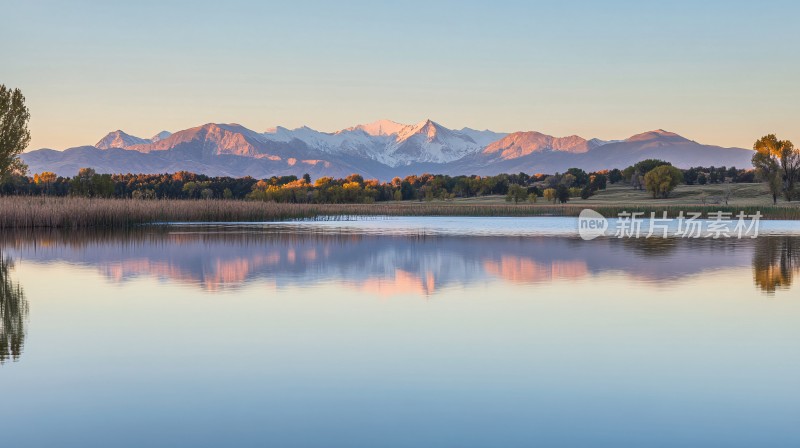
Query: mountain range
point(382, 150)
point(219, 260)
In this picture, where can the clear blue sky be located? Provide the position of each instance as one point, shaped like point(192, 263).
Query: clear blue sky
point(717, 72)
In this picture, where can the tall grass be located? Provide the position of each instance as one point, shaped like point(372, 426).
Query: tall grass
point(75, 212)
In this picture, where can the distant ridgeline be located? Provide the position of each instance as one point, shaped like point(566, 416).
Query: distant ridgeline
point(380, 150)
point(574, 182)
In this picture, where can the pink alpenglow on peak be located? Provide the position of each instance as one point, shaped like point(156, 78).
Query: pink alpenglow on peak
point(382, 149)
point(521, 144)
point(658, 134)
point(380, 127)
point(119, 139)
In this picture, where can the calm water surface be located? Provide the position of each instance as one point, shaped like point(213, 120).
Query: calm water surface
point(455, 332)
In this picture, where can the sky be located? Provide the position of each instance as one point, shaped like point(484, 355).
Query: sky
point(719, 72)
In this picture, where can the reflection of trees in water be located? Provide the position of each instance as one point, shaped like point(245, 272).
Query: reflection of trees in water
point(13, 313)
point(652, 247)
point(775, 262)
point(666, 247)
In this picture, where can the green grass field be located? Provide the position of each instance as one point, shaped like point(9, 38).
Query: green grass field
point(746, 195)
point(750, 198)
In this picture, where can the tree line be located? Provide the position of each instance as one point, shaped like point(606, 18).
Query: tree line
point(520, 187)
point(351, 189)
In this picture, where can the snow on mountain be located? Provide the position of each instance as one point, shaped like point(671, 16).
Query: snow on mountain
point(428, 141)
point(389, 142)
point(348, 142)
point(119, 139)
point(123, 140)
point(380, 127)
point(596, 142)
point(278, 134)
point(482, 138)
point(382, 149)
point(282, 134)
point(160, 136)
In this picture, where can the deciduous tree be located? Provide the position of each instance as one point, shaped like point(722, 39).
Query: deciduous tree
point(662, 180)
point(516, 193)
point(14, 134)
point(550, 195)
point(777, 163)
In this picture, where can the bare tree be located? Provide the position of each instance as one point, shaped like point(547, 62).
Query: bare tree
point(727, 192)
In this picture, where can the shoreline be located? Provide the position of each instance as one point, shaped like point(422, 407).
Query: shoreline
point(78, 212)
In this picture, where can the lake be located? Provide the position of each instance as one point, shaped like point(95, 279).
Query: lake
point(398, 332)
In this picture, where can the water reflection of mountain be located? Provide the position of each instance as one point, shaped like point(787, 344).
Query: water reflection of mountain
point(13, 313)
point(380, 264)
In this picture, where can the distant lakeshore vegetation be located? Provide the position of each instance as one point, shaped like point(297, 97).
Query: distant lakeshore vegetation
point(92, 199)
point(656, 176)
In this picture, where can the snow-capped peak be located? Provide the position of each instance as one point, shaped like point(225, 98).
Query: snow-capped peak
point(389, 142)
point(119, 139)
point(482, 138)
point(376, 128)
point(160, 136)
point(428, 141)
point(282, 134)
point(426, 127)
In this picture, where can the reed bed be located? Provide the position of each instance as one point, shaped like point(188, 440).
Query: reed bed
point(76, 212)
